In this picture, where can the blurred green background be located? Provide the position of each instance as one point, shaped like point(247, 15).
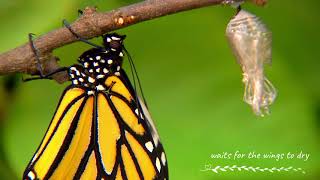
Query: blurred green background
point(191, 81)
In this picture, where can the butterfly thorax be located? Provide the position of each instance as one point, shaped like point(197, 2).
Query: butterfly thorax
point(95, 65)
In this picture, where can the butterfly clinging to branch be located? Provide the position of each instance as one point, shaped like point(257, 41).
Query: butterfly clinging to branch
point(101, 128)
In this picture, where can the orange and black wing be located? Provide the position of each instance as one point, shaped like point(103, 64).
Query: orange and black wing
point(66, 138)
point(139, 153)
point(106, 135)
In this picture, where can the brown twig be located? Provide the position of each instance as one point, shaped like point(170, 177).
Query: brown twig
point(92, 24)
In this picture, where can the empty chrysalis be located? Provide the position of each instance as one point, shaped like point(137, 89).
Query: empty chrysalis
point(250, 41)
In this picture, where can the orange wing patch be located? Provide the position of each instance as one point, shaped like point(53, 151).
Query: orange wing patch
point(127, 115)
point(90, 171)
point(143, 159)
point(68, 97)
point(119, 175)
point(129, 165)
point(108, 134)
point(118, 87)
point(48, 154)
point(68, 166)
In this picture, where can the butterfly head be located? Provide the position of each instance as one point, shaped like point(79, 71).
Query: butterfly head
point(113, 41)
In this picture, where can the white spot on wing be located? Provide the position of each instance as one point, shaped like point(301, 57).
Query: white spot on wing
point(149, 146)
point(31, 175)
point(121, 54)
point(34, 157)
point(95, 64)
point(158, 165)
point(163, 159)
point(117, 73)
point(98, 57)
point(110, 61)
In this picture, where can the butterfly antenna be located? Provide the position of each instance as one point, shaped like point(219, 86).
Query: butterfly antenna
point(134, 70)
point(67, 25)
point(135, 88)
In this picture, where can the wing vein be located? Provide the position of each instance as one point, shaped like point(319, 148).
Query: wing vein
point(32, 163)
point(66, 142)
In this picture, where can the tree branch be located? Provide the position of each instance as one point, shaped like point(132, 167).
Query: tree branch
point(92, 24)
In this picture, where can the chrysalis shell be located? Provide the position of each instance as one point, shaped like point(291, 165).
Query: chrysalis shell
point(250, 41)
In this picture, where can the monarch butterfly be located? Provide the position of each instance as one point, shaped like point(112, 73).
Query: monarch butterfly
point(101, 129)
point(250, 41)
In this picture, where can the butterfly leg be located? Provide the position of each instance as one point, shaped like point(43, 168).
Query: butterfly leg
point(36, 52)
point(47, 76)
point(67, 25)
point(39, 67)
